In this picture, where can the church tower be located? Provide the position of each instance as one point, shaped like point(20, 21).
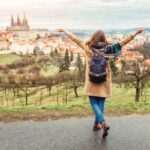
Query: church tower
point(25, 21)
point(12, 21)
point(18, 24)
point(18, 21)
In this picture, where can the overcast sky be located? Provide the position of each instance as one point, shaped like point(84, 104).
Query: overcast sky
point(83, 14)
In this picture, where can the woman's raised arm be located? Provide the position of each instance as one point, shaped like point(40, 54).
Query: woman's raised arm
point(127, 39)
point(74, 38)
point(114, 50)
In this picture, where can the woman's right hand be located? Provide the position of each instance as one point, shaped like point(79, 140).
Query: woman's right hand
point(60, 30)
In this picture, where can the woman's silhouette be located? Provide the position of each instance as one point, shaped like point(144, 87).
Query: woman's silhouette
point(97, 92)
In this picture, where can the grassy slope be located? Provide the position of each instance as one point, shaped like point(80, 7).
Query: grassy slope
point(122, 101)
point(50, 70)
point(8, 58)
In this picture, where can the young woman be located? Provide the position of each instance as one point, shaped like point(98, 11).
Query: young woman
point(99, 92)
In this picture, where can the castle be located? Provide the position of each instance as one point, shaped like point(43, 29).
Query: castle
point(19, 25)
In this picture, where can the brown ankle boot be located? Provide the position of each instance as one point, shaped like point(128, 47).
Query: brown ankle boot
point(105, 129)
point(97, 126)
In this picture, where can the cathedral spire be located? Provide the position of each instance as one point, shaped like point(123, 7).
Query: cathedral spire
point(25, 21)
point(18, 21)
point(12, 21)
point(18, 24)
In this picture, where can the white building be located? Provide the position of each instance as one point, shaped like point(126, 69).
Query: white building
point(21, 49)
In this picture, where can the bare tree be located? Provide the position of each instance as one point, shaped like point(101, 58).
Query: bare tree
point(145, 50)
point(135, 74)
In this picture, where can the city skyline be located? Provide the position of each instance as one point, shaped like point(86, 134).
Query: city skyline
point(78, 14)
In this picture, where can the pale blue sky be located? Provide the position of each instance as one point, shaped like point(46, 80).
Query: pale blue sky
point(83, 14)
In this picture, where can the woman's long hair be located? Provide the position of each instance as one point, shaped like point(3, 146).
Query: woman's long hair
point(98, 37)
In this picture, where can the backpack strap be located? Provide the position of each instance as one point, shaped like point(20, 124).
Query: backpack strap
point(98, 52)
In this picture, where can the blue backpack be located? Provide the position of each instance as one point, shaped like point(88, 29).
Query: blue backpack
point(98, 62)
point(97, 65)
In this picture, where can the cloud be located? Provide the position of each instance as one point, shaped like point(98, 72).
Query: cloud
point(79, 13)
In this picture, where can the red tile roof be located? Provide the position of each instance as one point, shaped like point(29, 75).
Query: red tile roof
point(131, 55)
point(146, 63)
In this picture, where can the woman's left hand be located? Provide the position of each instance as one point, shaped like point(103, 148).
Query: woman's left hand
point(138, 31)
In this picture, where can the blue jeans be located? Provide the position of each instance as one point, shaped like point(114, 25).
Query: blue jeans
point(97, 104)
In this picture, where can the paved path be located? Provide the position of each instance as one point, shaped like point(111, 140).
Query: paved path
point(127, 133)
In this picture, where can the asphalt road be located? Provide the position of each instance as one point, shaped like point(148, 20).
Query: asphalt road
point(126, 133)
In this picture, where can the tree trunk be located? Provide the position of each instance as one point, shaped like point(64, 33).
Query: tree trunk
point(49, 90)
point(57, 96)
point(75, 91)
point(41, 97)
point(26, 99)
point(63, 96)
point(5, 90)
point(120, 85)
point(66, 96)
point(7, 101)
point(18, 94)
point(137, 96)
point(14, 92)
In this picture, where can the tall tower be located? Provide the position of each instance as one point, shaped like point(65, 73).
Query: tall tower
point(19, 24)
point(25, 21)
point(12, 21)
point(18, 21)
